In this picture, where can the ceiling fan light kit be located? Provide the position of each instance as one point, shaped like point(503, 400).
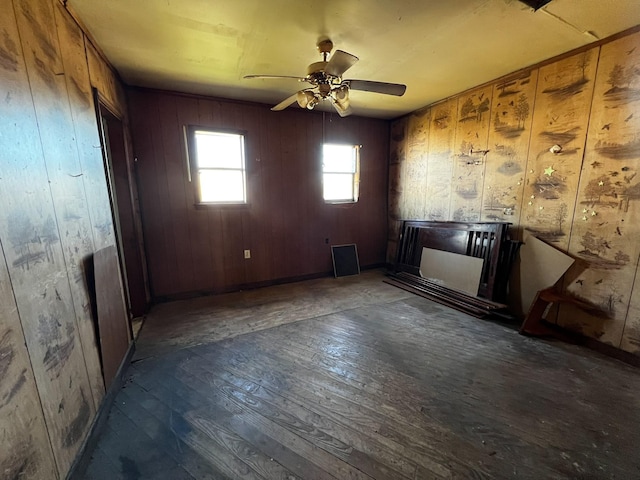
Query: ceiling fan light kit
point(327, 83)
point(306, 99)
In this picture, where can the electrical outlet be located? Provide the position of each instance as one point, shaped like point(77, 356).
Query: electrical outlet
point(247, 254)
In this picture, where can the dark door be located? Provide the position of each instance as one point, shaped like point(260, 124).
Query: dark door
point(120, 179)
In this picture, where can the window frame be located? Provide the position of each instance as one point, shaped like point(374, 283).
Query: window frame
point(193, 168)
point(355, 180)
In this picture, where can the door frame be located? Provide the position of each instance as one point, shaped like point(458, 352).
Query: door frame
point(121, 184)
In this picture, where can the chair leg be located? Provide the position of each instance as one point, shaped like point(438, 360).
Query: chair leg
point(532, 324)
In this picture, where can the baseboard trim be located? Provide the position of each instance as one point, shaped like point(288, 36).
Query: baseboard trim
point(81, 462)
point(253, 285)
point(596, 345)
point(611, 351)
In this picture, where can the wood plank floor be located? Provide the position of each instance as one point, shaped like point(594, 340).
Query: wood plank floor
point(354, 379)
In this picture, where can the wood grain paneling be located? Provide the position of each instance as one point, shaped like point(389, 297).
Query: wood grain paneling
point(104, 79)
point(148, 139)
point(606, 223)
point(65, 174)
point(113, 106)
point(440, 160)
point(72, 50)
point(561, 116)
point(26, 452)
point(200, 252)
point(509, 134)
point(414, 166)
point(171, 148)
point(561, 163)
point(397, 190)
point(55, 210)
point(74, 216)
point(469, 158)
point(286, 224)
point(29, 228)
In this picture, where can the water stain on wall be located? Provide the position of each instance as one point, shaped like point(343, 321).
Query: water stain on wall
point(19, 463)
point(39, 29)
point(510, 168)
point(619, 151)
point(74, 432)
point(46, 61)
point(633, 337)
point(8, 53)
point(18, 384)
point(549, 188)
point(80, 96)
point(561, 137)
point(442, 118)
point(104, 232)
point(6, 355)
point(45, 74)
point(31, 243)
point(59, 342)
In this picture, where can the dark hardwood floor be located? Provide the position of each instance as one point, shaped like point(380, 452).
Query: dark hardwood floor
point(352, 378)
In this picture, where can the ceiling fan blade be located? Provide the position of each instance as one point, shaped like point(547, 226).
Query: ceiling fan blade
point(300, 79)
point(377, 87)
point(285, 103)
point(339, 63)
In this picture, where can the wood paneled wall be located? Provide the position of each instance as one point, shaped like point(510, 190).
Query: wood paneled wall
point(54, 213)
point(286, 225)
point(488, 154)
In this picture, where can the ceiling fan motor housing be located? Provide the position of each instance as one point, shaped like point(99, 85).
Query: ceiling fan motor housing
point(316, 67)
point(324, 89)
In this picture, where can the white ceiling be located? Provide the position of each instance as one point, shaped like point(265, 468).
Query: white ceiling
point(436, 47)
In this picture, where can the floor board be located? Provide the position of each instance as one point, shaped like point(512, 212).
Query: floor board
point(316, 381)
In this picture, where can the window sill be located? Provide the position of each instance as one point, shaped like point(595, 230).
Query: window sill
point(231, 206)
point(340, 202)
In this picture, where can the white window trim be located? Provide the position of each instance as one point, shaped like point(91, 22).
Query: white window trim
point(194, 169)
point(355, 175)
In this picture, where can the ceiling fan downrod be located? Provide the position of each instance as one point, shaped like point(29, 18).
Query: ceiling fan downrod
point(324, 47)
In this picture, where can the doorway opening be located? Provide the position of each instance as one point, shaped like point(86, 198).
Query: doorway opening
point(120, 172)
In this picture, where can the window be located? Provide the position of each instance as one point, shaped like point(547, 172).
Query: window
point(217, 160)
point(340, 172)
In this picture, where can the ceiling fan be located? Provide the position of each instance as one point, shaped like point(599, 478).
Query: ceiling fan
point(326, 82)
